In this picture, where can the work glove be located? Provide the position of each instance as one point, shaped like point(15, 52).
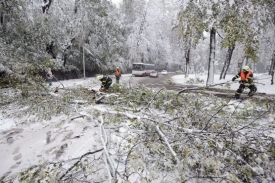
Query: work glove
point(233, 79)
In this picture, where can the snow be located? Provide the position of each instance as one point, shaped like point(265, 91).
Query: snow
point(25, 142)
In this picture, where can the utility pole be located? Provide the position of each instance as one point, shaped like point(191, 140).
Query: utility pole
point(83, 64)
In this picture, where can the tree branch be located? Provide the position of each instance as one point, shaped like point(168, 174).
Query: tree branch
point(103, 137)
point(167, 143)
point(88, 153)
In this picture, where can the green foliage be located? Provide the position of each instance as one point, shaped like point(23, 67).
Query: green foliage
point(26, 76)
point(191, 25)
point(49, 63)
point(251, 50)
point(196, 80)
point(171, 82)
point(241, 23)
point(232, 25)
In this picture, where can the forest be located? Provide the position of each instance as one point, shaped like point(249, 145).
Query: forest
point(95, 35)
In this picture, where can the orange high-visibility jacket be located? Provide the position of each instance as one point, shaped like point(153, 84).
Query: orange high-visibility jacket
point(244, 77)
point(117, 72)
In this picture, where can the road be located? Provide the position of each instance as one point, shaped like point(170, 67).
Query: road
point(161, 81)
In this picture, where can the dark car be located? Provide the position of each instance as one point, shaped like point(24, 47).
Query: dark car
point(154, 74)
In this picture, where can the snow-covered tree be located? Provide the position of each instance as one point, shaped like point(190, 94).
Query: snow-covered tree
point(222, 16)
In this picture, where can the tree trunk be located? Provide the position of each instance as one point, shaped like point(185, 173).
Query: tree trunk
point(2, 13)
point(187, 64)
point(65, 54)
point(46, 6)
point(50, 49)
point(272, 65)
point(76, 5)
point(272, 68)
point(227, 62)
point(210, 76)
point(64, 59)
point(243, 63)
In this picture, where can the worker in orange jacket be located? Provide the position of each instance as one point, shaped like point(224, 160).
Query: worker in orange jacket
point(117, 74)
point(246, 81)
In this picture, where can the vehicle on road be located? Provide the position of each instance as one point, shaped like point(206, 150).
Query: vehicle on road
point(164, 72)
point(154, 74)
point(142, 69)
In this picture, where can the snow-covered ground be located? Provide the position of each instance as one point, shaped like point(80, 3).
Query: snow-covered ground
point(25, 142)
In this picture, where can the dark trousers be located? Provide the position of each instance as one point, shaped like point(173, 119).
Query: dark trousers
point(50, 81)
point(117, 79)
point(252, 91)
point(106, 85)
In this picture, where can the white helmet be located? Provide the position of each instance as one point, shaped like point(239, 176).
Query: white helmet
point(99, 77)
point(246, 68)
point(117, 67)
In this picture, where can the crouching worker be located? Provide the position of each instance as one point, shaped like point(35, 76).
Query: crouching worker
point(246, 81)
point(106, 82)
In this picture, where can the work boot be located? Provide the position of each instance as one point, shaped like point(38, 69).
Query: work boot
point(250, 94)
